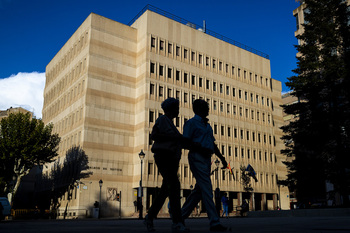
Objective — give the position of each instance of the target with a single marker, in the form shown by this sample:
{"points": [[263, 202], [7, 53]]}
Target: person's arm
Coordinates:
{"points": [[218, 154]]}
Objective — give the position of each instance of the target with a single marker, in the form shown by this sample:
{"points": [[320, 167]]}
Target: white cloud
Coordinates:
{"points": [[23, 90]]}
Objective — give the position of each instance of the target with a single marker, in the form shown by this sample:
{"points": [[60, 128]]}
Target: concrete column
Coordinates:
{"points": [[239, 199], [263, 201], [252, 200]]}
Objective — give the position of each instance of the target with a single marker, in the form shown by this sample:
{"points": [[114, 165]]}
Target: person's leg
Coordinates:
{"points": [[158, 201], [191, 202], [173, 188], [201, 168]]}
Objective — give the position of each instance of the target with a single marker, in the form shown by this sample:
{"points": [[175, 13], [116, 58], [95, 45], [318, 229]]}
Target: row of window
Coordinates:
{"points": [[227, 131], [227, 108], [66, 81], [67, 122], [68, 57], [179, 52], [185, 173], [66, 99], [186, 78]]}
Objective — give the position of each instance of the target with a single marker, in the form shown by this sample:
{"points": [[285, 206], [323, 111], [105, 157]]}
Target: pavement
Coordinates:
{"points": [[324, 224]]}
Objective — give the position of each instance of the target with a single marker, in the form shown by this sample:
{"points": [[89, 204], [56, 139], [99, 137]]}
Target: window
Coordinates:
{"points": [[220, 65], [185, 97], [235, 132], [234, 92], [161, 45], [185, 171], [214, 86], [247, 135], [229, 131], [151, 89], [185, 77], [227, 90], [161, 70], [228, 108], [177, 75], [214, 105], [177, 96], [200, 82], [150, 168], [221, 106], [221, 88], [185, 53], [236, 152], [200, 58], [160, 91], [214, 63], [169, 93], [151, 116], [207, 61], [223, 150], [170, 48], [239, 72], [193, 80], [208, 84], [177, 51], [229, 150], [222, 130], [153, 42], [152, 67], [215, 129], [169, 72], [193, 55]]}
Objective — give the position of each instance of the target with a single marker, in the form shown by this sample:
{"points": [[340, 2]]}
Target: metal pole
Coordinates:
{"points": [[99, 209], [120, 205], [141, 190]]}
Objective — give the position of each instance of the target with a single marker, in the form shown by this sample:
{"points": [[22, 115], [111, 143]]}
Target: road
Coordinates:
{"points": [[242, 225]]}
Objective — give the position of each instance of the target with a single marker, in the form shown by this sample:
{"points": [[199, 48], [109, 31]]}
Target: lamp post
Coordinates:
{"points": [[217, 190], [99, 209], [217, 163], [142, 156]]}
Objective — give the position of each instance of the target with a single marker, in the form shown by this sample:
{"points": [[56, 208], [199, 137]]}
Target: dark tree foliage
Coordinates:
{"points": [[319, 137], [63, 178], [24, 143], [246, 182]]}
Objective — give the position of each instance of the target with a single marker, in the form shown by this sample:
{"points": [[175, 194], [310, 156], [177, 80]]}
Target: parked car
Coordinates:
{"points": [[5, 208]]}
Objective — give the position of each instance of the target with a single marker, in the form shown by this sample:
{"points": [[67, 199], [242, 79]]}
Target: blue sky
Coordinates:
{"points": [[33, 31]]}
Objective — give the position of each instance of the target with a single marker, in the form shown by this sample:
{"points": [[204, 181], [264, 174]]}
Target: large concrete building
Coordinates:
{"points": [[103, 92]]}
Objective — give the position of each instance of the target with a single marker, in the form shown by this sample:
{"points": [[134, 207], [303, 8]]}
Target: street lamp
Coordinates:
{"points": [[217, 190], [142, 156], [99, 209], [217, 163]]}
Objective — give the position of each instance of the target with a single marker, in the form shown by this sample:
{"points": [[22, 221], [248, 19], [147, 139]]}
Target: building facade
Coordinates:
{"points": [[104, 89]]}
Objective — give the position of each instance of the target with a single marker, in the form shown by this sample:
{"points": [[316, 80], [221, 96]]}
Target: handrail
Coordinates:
{"points": [[195, 26]]}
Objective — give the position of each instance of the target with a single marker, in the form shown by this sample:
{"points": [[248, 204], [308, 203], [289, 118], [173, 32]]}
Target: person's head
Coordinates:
{"points": [[225, 194], [201, 108], [171, 107]]}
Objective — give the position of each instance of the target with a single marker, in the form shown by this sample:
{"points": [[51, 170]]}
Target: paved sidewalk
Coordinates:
{"points": [[241, 225]]}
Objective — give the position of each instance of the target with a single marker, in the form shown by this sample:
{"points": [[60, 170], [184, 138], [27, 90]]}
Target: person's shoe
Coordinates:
{"points": [[179, 227], [149, 224], [219, 228]]}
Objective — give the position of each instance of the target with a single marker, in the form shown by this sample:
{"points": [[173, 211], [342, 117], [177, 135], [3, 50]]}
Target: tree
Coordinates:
{"points": [[319, 137], [24, 143], [245, 181], [64, 178]]}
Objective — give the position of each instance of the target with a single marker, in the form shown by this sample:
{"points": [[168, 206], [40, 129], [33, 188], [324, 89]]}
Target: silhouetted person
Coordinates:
{"points": [[167, 153], [224, 201], [199, 132]]}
